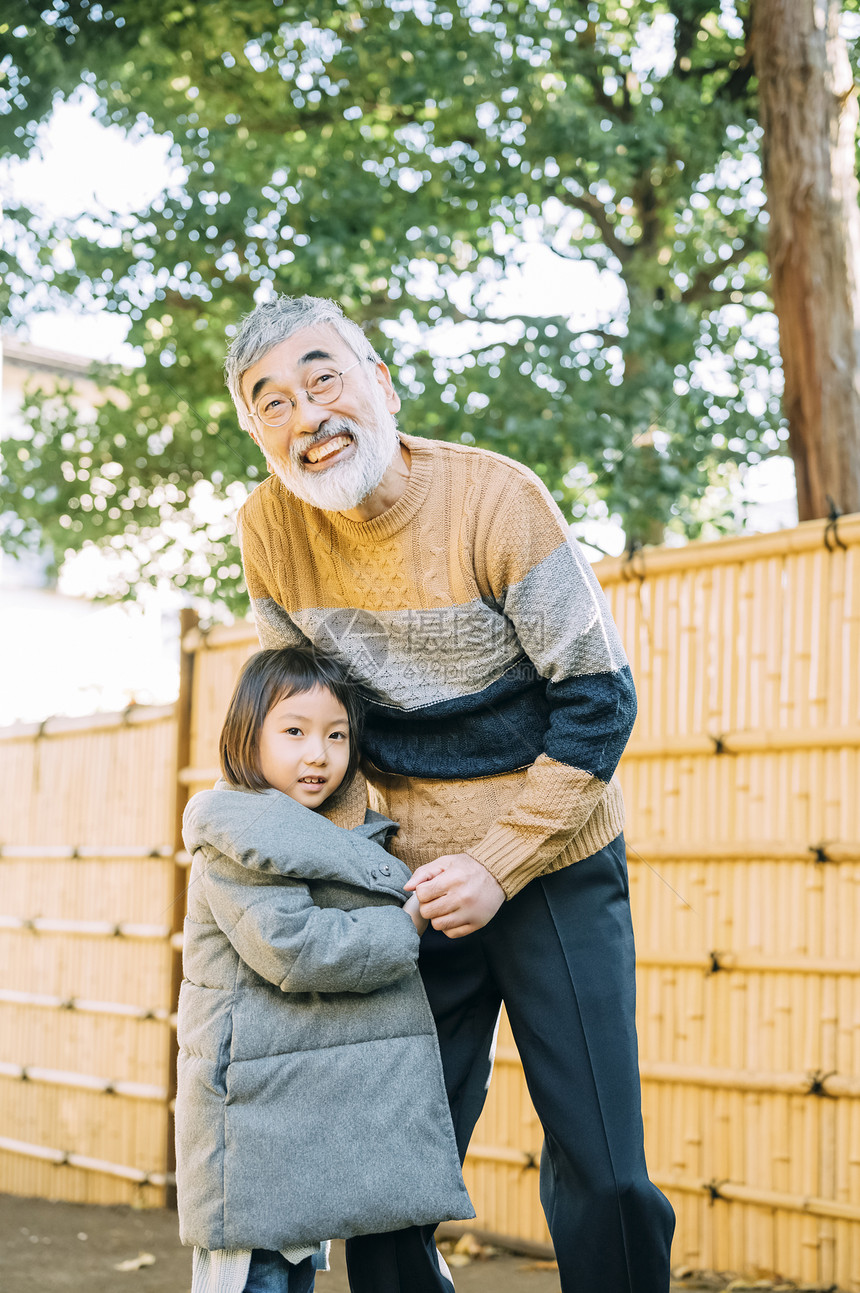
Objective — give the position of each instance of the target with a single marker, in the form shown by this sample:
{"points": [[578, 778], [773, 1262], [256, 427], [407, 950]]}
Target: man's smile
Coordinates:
{"points": [[321, 451]]}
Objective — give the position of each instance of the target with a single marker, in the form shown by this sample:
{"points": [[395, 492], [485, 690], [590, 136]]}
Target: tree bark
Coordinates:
{"points": [[809, 115]]}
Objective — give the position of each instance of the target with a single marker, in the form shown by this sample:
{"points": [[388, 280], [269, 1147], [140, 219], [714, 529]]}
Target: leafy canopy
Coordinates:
{"points": [[401, 156]]}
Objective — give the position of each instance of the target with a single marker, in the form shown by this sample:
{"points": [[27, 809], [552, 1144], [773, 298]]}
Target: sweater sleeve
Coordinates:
{"points": [[543, 583], [279, 932], [274, 625]]}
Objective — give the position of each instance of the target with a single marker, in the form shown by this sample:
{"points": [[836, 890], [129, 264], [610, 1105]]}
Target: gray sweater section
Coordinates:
{"points": [[311, 1102]]}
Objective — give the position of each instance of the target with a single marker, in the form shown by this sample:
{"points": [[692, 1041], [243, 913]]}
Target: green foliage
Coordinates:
{"points": [[399, 155]]}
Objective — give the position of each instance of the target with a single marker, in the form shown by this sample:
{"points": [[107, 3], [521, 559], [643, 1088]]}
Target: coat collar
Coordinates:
{"points": [[268, 831]]}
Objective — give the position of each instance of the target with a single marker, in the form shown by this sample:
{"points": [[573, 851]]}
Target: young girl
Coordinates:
{"points": [[311, 1102]]}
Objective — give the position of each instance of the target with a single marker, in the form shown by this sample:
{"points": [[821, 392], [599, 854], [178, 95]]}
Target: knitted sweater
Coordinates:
{"points": [[503, 695]]}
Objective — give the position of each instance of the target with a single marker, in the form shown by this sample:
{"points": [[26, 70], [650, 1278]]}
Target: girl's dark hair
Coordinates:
{"points": [[266, 678]]}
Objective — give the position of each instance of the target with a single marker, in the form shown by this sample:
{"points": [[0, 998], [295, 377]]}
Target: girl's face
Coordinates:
{"points": [[304, 746]]}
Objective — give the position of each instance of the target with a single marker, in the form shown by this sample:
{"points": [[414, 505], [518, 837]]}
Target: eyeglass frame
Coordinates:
{"points": [[293, 399]]}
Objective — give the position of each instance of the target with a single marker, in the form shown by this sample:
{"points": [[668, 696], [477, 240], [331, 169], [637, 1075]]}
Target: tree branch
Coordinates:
{"points": [[594, 208], [700, 287]]}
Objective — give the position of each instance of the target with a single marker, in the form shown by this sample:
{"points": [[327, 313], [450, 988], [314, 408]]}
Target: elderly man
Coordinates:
{"points": [[445, 577]]}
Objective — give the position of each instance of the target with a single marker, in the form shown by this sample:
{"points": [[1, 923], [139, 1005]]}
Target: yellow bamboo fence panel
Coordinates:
{"points": [[86, 886], [742, 785]]}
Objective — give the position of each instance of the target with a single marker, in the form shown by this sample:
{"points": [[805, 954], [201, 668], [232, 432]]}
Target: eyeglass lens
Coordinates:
{"points": [[323, 387]]}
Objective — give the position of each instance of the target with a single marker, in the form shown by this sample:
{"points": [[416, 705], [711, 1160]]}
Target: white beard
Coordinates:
{"points": [[343, 485]]}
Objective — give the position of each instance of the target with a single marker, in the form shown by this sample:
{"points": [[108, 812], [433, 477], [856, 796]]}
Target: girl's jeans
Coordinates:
{"points": [[270, 1272]]}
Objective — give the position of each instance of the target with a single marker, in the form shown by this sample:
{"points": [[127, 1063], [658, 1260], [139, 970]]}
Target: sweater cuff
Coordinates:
{"points": [[507, 857], [513, 856]]}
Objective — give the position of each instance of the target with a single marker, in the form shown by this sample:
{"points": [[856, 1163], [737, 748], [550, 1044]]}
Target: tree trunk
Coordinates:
{"points": [[809, 115]]}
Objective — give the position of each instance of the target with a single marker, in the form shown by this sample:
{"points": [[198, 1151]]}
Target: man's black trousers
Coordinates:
{"points": [[560, 955]]}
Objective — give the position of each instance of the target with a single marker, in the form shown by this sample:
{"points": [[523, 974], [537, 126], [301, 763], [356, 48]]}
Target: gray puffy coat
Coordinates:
{"points": [[311, 1101]]}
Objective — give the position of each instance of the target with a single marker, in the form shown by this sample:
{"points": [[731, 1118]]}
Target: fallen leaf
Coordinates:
{"points": [[467, 1244], [136, 1263]]}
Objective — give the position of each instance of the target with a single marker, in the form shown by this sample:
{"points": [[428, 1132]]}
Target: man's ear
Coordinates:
{"points": [[383, 376]]}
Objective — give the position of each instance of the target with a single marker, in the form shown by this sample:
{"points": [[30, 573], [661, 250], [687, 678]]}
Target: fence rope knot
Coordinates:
{"points": [[816, 1084], [714, 963], [628, 568], [531, 1163], [831, 528], [68, 1003], [714, 1190], [819, 852], [720, 746]]}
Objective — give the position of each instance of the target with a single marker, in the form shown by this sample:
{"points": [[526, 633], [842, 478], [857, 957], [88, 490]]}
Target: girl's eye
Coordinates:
{"points": [[339, 736], [294, 731]]}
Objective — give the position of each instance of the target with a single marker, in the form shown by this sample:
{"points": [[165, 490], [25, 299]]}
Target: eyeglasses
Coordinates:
{"points": [[275, 408]]}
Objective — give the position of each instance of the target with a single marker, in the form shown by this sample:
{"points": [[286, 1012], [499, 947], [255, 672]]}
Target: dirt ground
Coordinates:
{"points": [[50, 1247], [76, 1248]]}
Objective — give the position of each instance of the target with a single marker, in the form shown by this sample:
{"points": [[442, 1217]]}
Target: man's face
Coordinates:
{"points": [[330, 455]]}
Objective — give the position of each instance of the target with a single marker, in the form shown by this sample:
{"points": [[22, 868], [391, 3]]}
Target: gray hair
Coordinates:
{"points": [[271, 323]]}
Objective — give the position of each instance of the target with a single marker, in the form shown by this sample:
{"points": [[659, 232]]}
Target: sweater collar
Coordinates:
{"points": [[395, 518]]}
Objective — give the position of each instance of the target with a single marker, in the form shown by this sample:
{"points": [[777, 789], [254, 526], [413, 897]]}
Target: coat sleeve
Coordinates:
{"points": [[278, 931], [539, 577]]}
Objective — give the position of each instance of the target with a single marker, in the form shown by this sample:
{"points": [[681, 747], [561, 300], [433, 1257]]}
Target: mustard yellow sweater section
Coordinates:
{"points": [[464, 585]]}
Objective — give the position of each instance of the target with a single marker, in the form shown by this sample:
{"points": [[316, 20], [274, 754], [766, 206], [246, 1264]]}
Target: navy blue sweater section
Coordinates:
{"points": [[583, 722]]}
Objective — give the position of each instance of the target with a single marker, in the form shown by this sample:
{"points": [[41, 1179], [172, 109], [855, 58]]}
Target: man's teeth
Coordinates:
{"points": [[320, 451]]}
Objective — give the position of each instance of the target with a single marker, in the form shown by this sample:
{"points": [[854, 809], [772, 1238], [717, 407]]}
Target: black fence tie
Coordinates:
{"points": [[819, 852], [531, 1164], [68, 1004], [715, 964], [64, 1160], [816, 1084], [24, 1075], [117, 932], [30, 924], [76, 852], [720, 746], [831, 528], [109, 1089], [628, 568], [147, 1015], [714, 1191]]}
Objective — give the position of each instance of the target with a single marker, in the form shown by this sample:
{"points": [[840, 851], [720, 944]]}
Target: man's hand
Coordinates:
{"points": [[456, 894]]}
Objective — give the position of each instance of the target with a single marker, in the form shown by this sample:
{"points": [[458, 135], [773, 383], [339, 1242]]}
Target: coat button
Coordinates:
{"points": [[385, 869], [373, 875]]}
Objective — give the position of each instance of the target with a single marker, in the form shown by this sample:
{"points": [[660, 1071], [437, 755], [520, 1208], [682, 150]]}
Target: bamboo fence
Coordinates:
{"points": [[86, 885], [741, 784]]}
